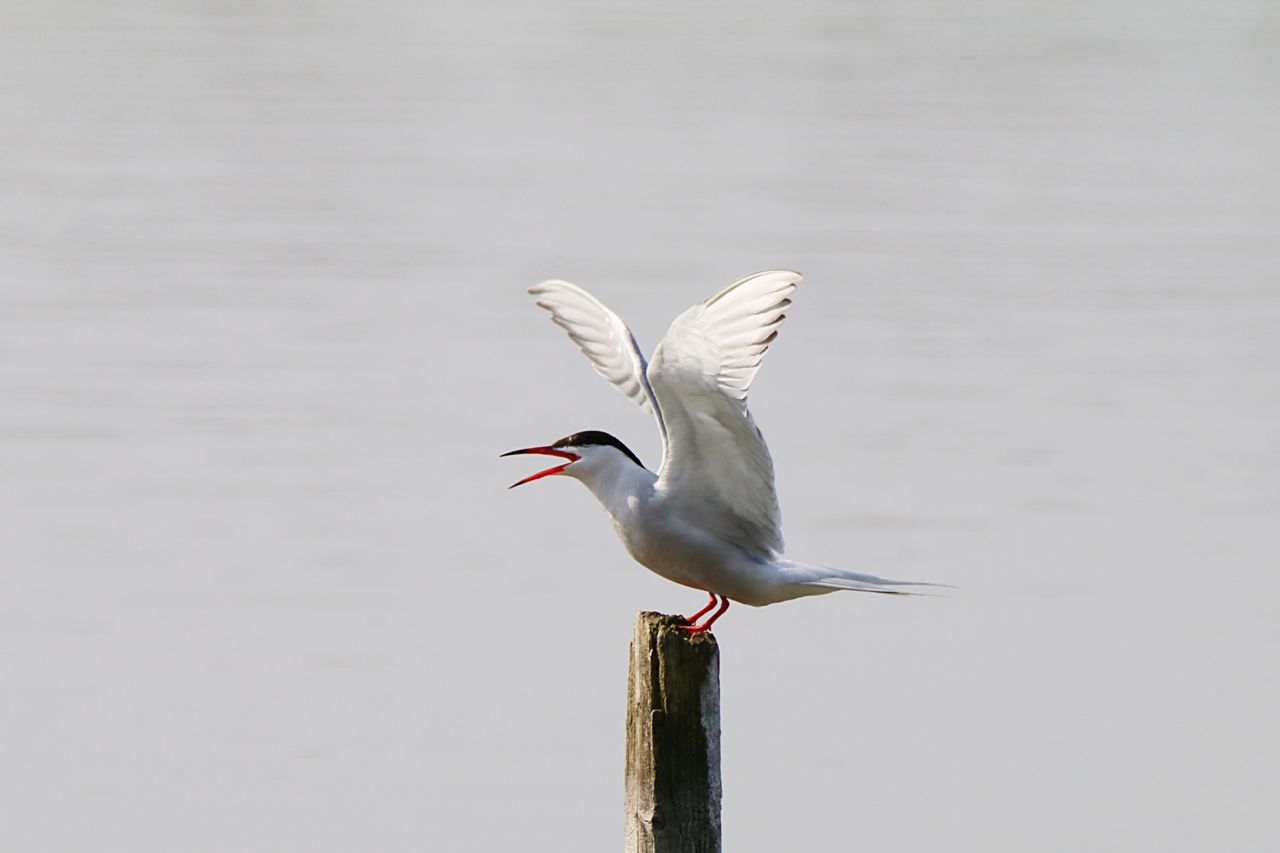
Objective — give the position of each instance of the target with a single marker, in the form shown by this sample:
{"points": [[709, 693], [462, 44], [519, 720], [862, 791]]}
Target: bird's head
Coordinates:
{"points": [[588, 455]]}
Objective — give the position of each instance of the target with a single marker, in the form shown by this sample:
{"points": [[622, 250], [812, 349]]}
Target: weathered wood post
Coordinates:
{"points": [[673, 739]]}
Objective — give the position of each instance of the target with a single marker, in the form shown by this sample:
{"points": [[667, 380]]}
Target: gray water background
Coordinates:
{"points": [[263, 333]]}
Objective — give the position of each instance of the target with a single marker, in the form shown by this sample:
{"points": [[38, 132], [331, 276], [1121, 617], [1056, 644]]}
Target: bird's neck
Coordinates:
{"points": [[619, 487]]}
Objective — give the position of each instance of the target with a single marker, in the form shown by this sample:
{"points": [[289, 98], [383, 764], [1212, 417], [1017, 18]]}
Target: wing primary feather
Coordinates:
{"points": [[717, 467], [604, 339]]}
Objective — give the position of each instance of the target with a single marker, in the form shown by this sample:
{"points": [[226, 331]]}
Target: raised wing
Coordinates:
{"points": [[717, 469], [604, 338]]}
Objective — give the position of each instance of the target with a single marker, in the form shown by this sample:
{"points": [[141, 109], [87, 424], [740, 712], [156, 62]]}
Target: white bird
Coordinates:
{"points": [[709, 518]]}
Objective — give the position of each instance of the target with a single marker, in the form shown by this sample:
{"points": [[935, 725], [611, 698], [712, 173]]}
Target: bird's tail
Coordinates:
{"points": [[826, 579]]}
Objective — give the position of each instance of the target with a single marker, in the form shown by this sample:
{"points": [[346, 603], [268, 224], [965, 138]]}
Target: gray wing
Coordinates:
{"points": [[604, 339], [717, 469]]}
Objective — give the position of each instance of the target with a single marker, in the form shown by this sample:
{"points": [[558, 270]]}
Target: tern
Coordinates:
{"points": [[709, 518]]}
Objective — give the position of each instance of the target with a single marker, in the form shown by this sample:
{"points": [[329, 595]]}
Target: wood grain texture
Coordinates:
{"points": [[673, 739]]}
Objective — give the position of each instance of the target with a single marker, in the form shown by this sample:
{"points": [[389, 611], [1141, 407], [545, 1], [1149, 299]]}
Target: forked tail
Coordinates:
{"points": [[825, 579]]}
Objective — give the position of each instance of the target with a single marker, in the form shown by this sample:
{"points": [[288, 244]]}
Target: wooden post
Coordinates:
{"points": [[673, 739]]}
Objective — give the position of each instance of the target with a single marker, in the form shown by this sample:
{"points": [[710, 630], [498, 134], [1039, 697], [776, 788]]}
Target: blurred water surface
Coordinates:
{"points": [[263, 333]]}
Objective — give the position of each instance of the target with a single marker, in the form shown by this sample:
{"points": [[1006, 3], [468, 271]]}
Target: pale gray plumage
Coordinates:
{"points": [[709, 518], [717, 467], [603, 338]]}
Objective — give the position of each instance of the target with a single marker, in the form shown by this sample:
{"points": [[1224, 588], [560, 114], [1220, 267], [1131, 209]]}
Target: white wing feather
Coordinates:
{"points": [[603, 338], [717, 469]]}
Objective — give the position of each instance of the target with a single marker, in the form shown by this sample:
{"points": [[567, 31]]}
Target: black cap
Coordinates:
{"points": [[590, 437]]}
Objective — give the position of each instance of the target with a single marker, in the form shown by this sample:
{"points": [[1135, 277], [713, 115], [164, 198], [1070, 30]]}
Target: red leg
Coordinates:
{"points": [[710, 604], [698, 629]]}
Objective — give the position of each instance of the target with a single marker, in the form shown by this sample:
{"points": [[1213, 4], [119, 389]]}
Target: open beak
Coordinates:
{"points": [[545, 451]]}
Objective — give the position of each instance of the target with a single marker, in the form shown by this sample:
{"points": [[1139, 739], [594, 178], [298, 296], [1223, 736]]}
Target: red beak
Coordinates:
{"points": [[545, 451]]}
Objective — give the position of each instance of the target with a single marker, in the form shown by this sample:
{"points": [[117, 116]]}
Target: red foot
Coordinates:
{"points": [[710, 604], [698, 629]]}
